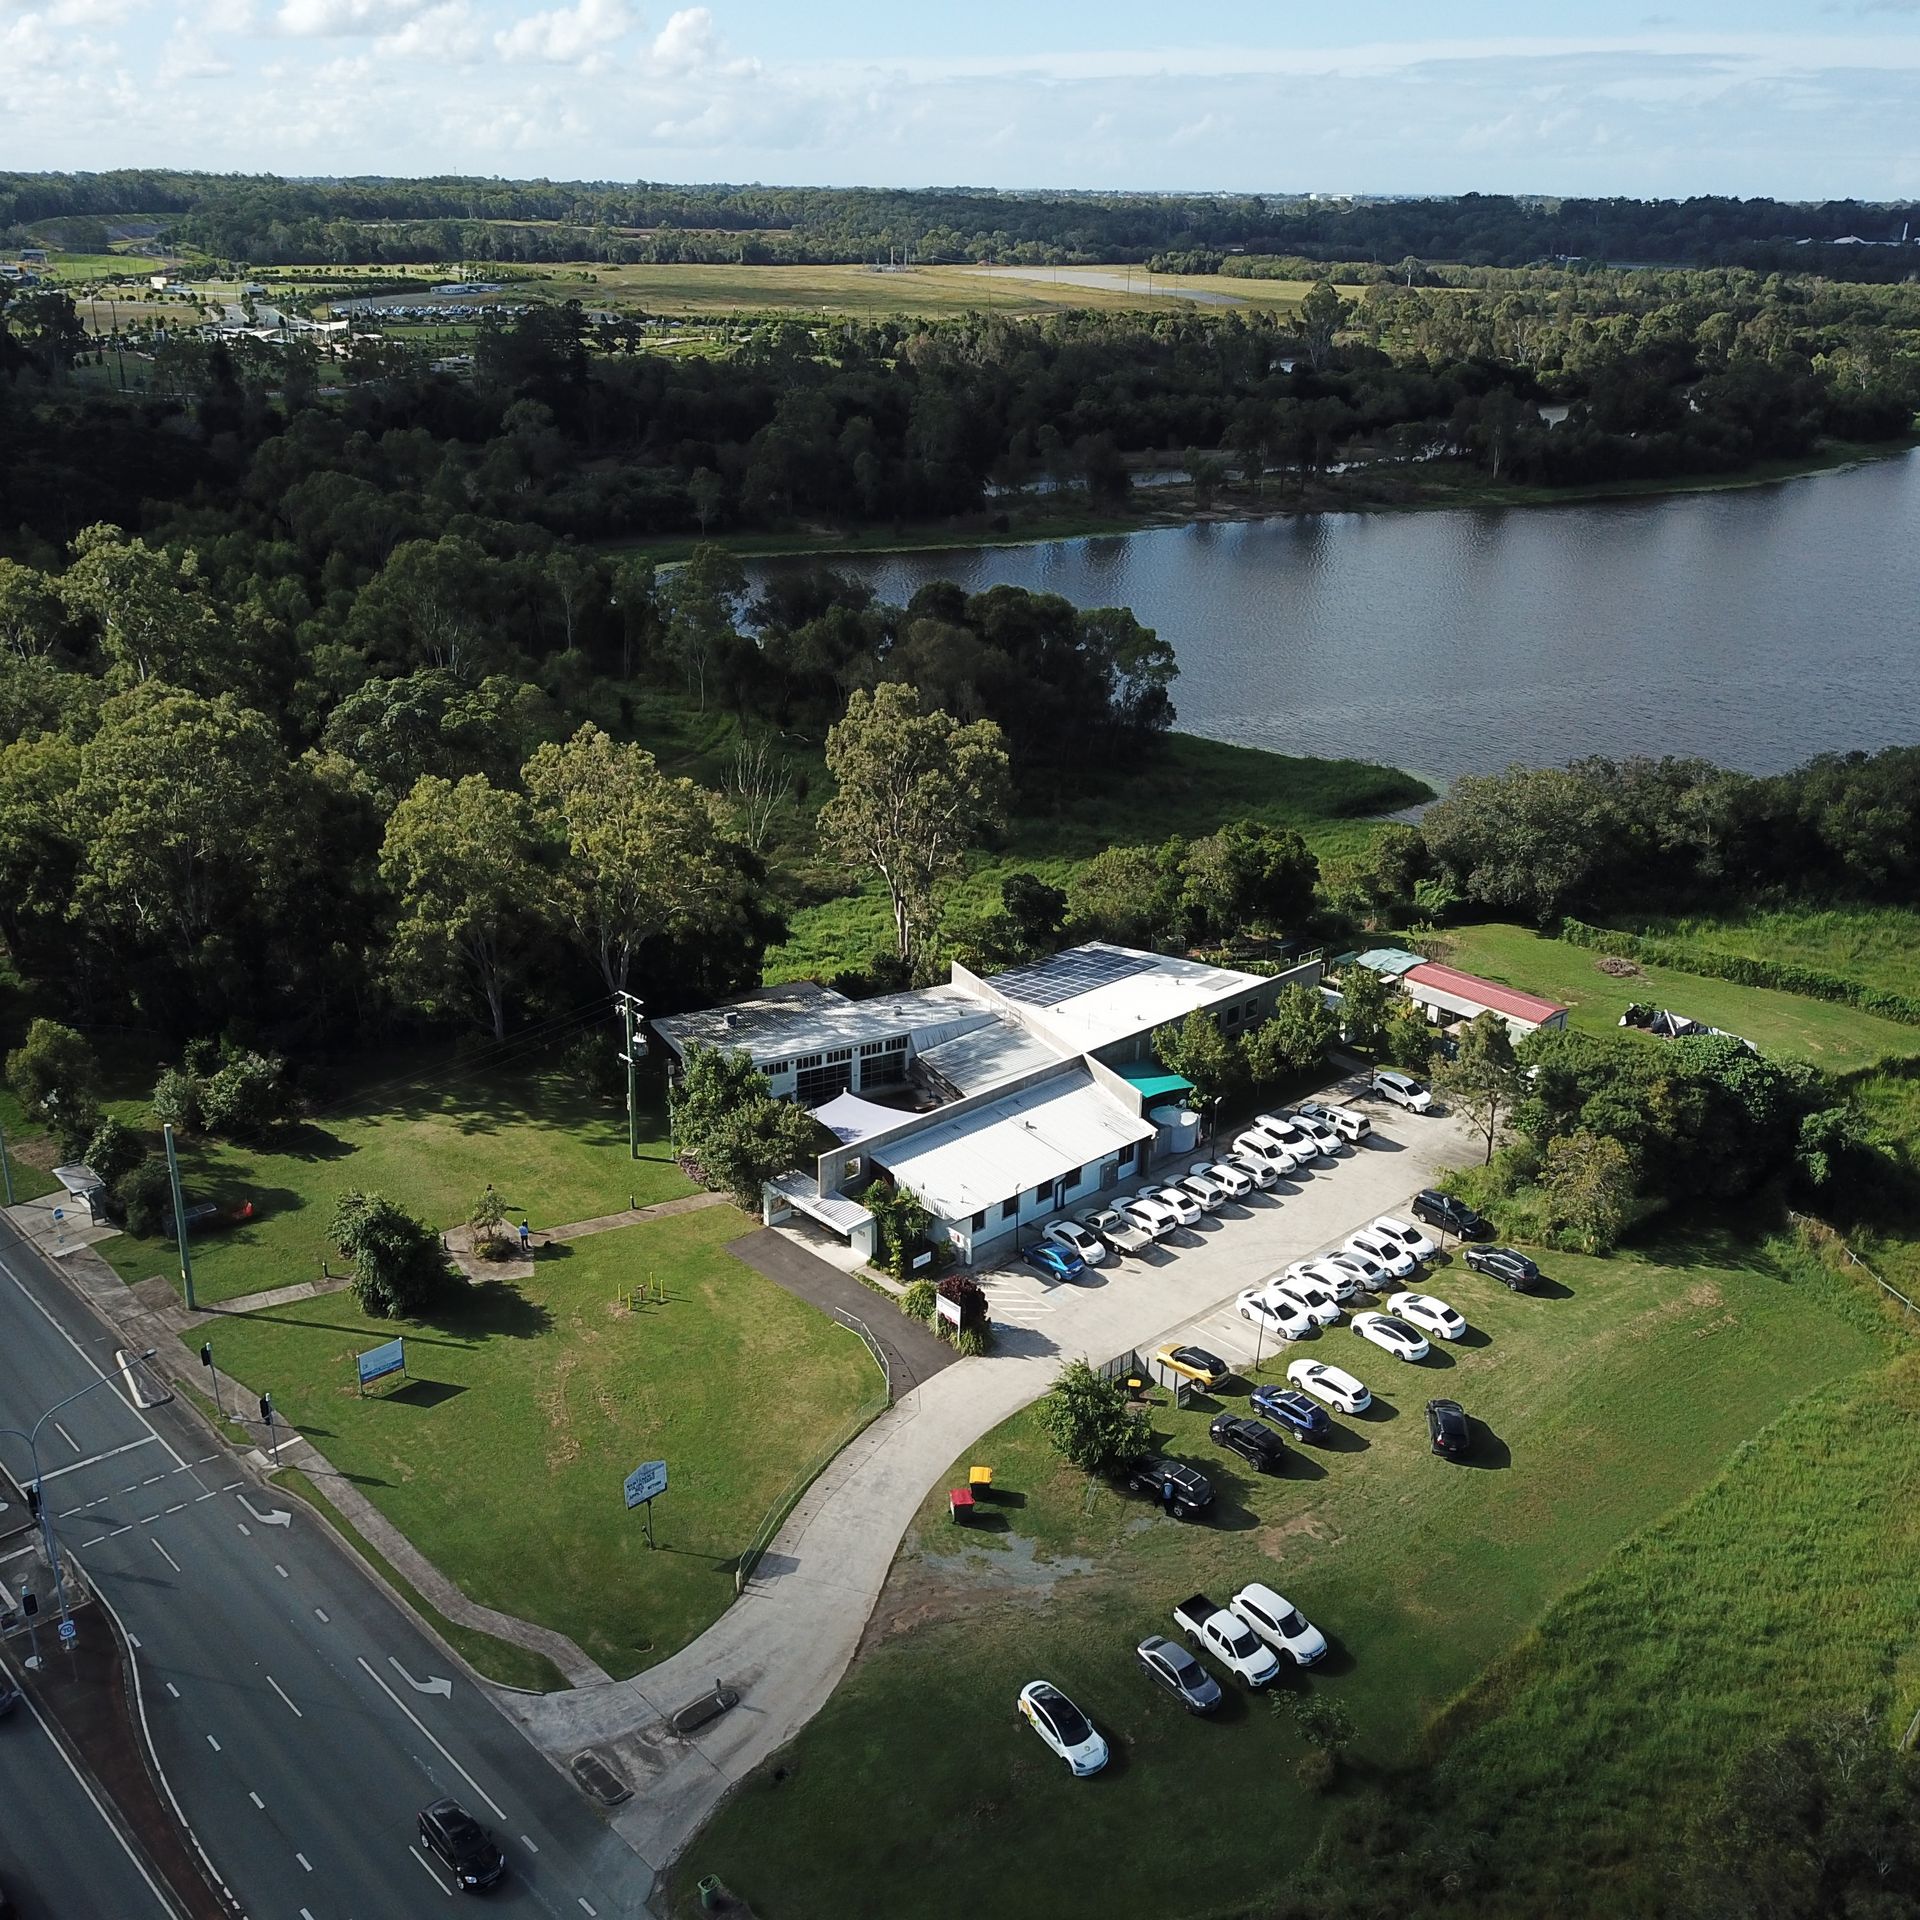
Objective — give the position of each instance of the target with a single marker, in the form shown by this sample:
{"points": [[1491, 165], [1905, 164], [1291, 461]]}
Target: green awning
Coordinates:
{"points": [[1154, 1081]]}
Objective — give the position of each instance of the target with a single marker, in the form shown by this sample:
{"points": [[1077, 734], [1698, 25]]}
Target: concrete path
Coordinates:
{"points": [[458, 1241], [913, 1352], [786, 1643]]}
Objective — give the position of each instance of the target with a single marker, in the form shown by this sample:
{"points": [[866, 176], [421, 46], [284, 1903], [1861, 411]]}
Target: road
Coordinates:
{"points": [[59, 1852], [300, 1718]]}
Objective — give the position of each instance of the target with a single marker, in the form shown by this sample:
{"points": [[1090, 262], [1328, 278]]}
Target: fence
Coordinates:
{"points": [[1820, 1230], [869, 1411]]}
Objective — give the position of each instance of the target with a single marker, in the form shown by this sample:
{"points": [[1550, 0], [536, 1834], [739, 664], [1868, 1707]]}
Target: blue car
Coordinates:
{"points": [[1057, 1263], [1291, 1410]]}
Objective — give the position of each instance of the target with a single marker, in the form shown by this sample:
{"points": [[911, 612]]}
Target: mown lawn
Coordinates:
{"points": [[1187, 786], [430, 1134], [1830, 1034], [524, 1408], [1604, 1403]]}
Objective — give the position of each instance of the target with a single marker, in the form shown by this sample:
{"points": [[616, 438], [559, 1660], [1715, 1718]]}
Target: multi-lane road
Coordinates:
{"points": [[299, 1717]]}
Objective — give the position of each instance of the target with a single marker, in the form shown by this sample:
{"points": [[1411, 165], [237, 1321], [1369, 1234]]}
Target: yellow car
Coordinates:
{"points": [[1195, 1365]]}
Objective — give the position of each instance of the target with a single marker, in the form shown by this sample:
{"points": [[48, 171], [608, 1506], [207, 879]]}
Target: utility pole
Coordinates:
{"points": [[6, 1166], [179, 1216], [632, 1008]]}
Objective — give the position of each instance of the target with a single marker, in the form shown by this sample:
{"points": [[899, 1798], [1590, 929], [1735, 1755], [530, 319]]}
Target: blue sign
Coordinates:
{"points": [[68, 1631], [646, 1481], [378, 1362]]}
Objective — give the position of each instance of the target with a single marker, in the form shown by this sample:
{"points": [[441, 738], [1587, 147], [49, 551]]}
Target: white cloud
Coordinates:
{"points": [[567, 36], [188, 57], [687, 40], [444, 34], [315, 19]]}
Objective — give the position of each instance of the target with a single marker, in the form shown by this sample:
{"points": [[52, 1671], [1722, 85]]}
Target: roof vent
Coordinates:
{"points": [[730, 1019]]}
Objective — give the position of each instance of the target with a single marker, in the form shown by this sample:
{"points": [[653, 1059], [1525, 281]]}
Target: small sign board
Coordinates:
{"points": [[949, 1309], [646, 1482], [922, 1260], [69, 1632], [377, 1362]]}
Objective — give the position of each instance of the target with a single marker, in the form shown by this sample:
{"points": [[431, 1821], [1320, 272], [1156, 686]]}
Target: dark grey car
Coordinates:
{"points": [[1179, 1672]]}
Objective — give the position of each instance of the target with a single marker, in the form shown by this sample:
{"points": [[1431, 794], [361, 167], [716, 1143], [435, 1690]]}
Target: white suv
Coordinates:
{"points": [[1403, 1090]]}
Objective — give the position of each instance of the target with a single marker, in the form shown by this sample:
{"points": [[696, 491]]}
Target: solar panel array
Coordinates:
{"points": [[1045, 983]]}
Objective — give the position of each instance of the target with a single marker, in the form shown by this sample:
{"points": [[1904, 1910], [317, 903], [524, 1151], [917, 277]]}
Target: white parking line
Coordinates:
{"points": [[66, 1436], [213, 1743], [282, 1692], [583, 1902], [280, 1570], [500, 1812], [320, 1613]]}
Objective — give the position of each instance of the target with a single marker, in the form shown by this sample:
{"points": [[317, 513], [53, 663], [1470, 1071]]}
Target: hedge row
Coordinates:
{"points": [[1743, 969]]}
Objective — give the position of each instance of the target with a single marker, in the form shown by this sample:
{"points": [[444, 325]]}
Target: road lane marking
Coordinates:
{"points": [[282, 1692], [94, 1459], [273, 1517], [66, 1436], [198, 1497], [244, 1528], [257, 1801], [528, 1844], [499, 1812], [433, 1685], [118, 1531], [583, 1902], [181, 1508], [320, 1613], [429, 1872], [280, 1570], [166, 1556], [213, 1743], [172, 1689], [304, 1861], [305, 1915]]}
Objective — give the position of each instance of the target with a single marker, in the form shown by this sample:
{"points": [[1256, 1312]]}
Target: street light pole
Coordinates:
{"points": [[179, 1216], [39, 1497]]}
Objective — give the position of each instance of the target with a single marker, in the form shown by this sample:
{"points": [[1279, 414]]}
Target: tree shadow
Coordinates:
{"points": [[424, 1393], [486, 1310], [303, 1140]]}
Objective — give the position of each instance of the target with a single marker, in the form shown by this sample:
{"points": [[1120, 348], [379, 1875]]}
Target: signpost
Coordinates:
{"points": [[69, 1633], [377, 1362], [949, 1309], [644, 1485]]}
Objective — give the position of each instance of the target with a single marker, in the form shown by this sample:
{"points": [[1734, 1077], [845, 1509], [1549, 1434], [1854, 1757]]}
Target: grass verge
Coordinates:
{"points": [[500, 1455], [1605, 1402]]}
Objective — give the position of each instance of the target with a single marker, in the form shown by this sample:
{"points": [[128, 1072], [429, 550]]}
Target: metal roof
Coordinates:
{"points": [[991, 1153], [800, 1017], [1392, 961], [1462, 992], [1092, 996]]}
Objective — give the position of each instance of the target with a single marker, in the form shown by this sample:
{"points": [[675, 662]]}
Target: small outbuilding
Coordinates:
{"points": [[1448, 995]]}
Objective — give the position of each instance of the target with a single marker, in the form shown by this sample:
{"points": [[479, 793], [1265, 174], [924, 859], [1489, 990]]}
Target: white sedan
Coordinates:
{"points": [[1372, 1244], [1065, 1729], [1367, 1272], [1333, 1386], [1291, 1135], [1391, 1335], [1407, 1234], [1432, 1316], [1235, 1182], [1283, 1318], [1339, 1279], [1314, 1298], [1076, 1238], [1183, 1206]]}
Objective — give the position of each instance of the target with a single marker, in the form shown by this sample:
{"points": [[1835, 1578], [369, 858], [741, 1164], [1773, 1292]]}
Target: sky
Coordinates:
{"points": [[1809, 101]]}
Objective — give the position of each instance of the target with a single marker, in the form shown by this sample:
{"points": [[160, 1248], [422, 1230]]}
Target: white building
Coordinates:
{"points": [[997, 1100]]}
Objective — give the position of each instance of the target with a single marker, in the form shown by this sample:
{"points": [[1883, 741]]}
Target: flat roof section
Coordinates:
{"points": [[978, 1159], [988, 1054], [1483, 993], [1097, 994], [776, 1023]]}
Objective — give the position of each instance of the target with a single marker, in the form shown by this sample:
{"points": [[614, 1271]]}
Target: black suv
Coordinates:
{"points": [[1449, 1429], [1504, 1264], [1253, 1440], [1452, 1216], [1191, 1490], [461, 1845]]}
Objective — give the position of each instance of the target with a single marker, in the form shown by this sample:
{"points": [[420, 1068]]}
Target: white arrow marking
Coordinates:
{"points": [[436, 1685], [276, 1517]]}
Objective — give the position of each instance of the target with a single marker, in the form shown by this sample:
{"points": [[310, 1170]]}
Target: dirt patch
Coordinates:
{"points": [[40, 1153], [1701, 1297], [1618, 967], [929, 1590], [563, 1444]]}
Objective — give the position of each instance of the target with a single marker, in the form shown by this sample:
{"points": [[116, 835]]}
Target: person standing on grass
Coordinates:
{"points": [[526, 1238]]}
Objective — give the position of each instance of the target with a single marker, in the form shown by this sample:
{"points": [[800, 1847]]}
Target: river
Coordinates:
{"points": [[1754, 627]]}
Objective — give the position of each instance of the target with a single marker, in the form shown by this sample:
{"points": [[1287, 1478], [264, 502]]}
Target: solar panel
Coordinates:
{"points": [[1045, 983]]}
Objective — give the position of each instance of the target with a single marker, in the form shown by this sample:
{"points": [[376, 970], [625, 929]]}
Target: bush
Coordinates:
{"points": [[176, 1101], [1317, 1770], [54, 1069], [399, 1264], [143, 1198], [971, 1342], [75, 1121], [246, 1095], [917, 1302], [114, 1151]]}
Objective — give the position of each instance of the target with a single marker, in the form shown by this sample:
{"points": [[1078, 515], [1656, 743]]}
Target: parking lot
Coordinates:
{"points": [[1184, 1286]]}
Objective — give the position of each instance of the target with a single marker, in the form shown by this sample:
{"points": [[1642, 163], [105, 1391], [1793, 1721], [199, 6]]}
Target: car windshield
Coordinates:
{"points": [[1186, 1669], [1291, 1623], [1068, 1721], [1242, 1646], [1399, 1327]]}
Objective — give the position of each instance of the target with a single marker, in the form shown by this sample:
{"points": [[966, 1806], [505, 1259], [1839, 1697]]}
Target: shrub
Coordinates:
{"points": [[1323, 1722], [246, 1095], [1317, 1770], [75, 1121], [54, 1069], [917, 1302], [399, 1265], [176, 1100], [143, 1198], [488, 1217], [971, 1342], [114, 1151]]}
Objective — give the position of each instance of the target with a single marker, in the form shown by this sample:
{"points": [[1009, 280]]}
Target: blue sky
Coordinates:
{"points": [[1799, 101]]}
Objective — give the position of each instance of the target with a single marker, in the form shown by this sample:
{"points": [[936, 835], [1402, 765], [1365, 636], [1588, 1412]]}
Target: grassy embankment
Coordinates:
{"points": [[1606, 1403], [524, 1406]]}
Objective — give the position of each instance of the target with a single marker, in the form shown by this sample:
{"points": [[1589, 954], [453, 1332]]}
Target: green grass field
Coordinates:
{"points": [[524, 1408], [430, 1136], [1876, 946], [1607, 1402], [1829, 1034], [1189, 786]]}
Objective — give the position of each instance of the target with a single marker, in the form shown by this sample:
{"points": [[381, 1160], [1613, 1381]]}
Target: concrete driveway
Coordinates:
{"points": [[786, 1642]]}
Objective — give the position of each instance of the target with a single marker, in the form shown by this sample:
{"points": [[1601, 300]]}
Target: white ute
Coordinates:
{"points": [[1228, 1638]]}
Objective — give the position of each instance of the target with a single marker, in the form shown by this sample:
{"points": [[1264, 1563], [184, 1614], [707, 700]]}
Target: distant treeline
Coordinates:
{"points": [[266, 221]]}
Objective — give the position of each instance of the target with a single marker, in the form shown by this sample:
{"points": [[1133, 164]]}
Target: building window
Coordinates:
{"points": [[1009, 1209], [816, 1085], [1073, 1179], [1126, 1155], [979, 1221], [775, 1068], [807, 1060], [1231, 1017]]}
